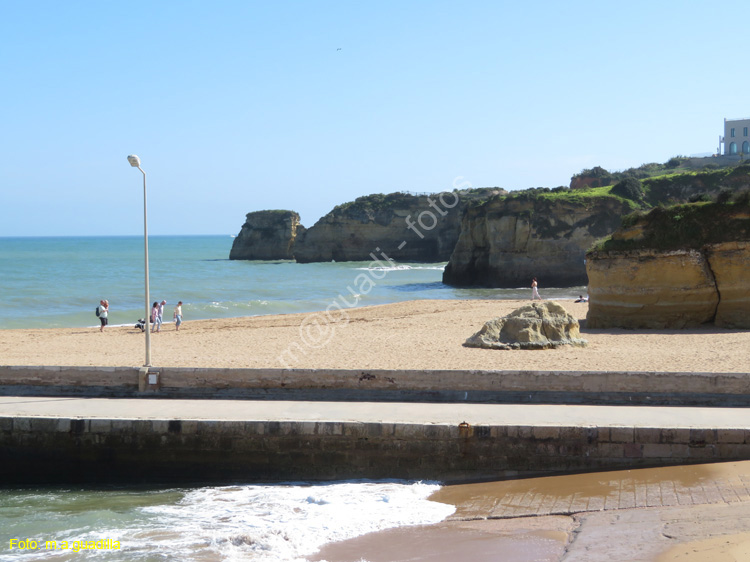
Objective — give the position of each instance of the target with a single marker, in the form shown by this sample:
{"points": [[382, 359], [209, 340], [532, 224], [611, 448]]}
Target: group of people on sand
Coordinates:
{"points": [[157, 315]]}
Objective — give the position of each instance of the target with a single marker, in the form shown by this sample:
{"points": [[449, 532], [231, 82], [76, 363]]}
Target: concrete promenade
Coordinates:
{"points": [[722, 420], [59, 424]]}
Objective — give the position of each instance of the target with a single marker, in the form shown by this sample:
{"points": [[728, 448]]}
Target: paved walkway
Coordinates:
{"points": [[374, 412]]}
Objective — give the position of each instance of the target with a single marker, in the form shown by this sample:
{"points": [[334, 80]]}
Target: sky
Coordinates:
{"points": [[240, 106]]}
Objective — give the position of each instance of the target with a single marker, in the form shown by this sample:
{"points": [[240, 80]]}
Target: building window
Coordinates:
{"points": [[746, 147], [732, 148], [731, 132], [744, 131]]}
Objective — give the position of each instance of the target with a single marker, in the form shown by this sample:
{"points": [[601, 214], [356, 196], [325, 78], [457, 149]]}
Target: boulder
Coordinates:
{"points": [[539, 325]]}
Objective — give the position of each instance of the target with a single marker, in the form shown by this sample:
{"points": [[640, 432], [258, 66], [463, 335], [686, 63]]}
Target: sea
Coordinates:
{"points": [[57, 282]]}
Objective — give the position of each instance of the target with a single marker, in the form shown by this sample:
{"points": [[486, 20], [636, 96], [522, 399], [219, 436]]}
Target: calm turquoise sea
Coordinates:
{"points": [[58, 282]]}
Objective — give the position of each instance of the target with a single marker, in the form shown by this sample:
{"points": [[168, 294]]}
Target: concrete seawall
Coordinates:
{"points": [[51, 434], [534, 387], [48, 449]]}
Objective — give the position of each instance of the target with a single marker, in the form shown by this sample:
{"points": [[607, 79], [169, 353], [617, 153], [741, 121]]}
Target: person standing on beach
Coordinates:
{"points": [[154, 316], [178, 315], [159, 315], [534, 291], [103, 314]]}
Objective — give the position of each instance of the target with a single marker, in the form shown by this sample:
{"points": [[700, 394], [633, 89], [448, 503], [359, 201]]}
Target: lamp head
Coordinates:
{"points": [[134, 161]]}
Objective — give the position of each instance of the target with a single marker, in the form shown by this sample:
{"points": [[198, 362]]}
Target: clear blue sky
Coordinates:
{"points": [[237, 106]]}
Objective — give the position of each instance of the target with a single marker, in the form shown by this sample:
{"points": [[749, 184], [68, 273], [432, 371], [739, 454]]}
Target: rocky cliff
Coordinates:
{"points": [[674, 268], [545, 233], [509, 240], [267, 235], [404, 227]]}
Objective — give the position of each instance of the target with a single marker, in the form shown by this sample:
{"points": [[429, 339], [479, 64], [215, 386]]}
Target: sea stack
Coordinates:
{"points": [[267, 235]]}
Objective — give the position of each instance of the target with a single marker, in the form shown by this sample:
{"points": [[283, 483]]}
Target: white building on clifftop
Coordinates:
{"points": [[736, 139]]}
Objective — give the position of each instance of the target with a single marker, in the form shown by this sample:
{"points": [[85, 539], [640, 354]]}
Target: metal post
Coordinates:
{"points": [[135, 162], [145, 249]]}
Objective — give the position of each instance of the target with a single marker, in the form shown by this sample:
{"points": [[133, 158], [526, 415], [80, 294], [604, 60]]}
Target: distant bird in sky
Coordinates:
{"points": [[338, 49]]}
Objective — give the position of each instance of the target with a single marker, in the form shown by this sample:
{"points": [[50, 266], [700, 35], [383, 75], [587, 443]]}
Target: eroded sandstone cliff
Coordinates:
{"points": [[404, 227], [509, 240], [267, 235], [674, 268]]}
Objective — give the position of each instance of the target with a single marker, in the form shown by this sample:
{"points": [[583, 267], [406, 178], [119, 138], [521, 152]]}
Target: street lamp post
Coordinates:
{"points": [[136, 163]]}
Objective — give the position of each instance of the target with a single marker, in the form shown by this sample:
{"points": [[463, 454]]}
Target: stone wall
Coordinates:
{"points": [[535, 387], [61, 450]]}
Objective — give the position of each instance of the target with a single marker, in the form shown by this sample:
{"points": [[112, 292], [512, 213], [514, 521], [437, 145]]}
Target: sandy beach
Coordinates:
{"points": [[428, 334], [421, 334], [699, 526]]}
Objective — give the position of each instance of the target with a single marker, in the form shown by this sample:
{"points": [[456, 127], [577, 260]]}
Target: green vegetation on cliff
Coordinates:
{"points": [[678, 180], [584, 197], [694, 186], [599, 177], [379, 202], [373, 203], [690, 225], [638, 188]]}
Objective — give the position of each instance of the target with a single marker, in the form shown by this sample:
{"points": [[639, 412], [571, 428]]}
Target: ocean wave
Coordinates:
{"points": [[404, 268], [285, 523], [249, 523], [384, 268]]}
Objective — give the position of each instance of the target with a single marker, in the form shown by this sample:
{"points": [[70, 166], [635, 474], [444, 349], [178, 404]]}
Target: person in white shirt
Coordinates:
{"points": [[178, 315], [103, 314], [159, 316], [534, 290]]}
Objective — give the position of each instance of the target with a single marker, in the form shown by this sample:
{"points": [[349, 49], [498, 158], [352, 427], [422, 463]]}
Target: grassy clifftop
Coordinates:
{"points": [[695, 186], [692, 225], [598, 176], [403, 200]]}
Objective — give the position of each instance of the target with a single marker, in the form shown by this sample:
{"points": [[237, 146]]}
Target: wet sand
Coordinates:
{"points": [[540, 540], [696, 525]]}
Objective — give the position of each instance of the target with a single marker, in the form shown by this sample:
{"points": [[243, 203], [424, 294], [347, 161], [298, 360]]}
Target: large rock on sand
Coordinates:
{"points": [[542, 325]]}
